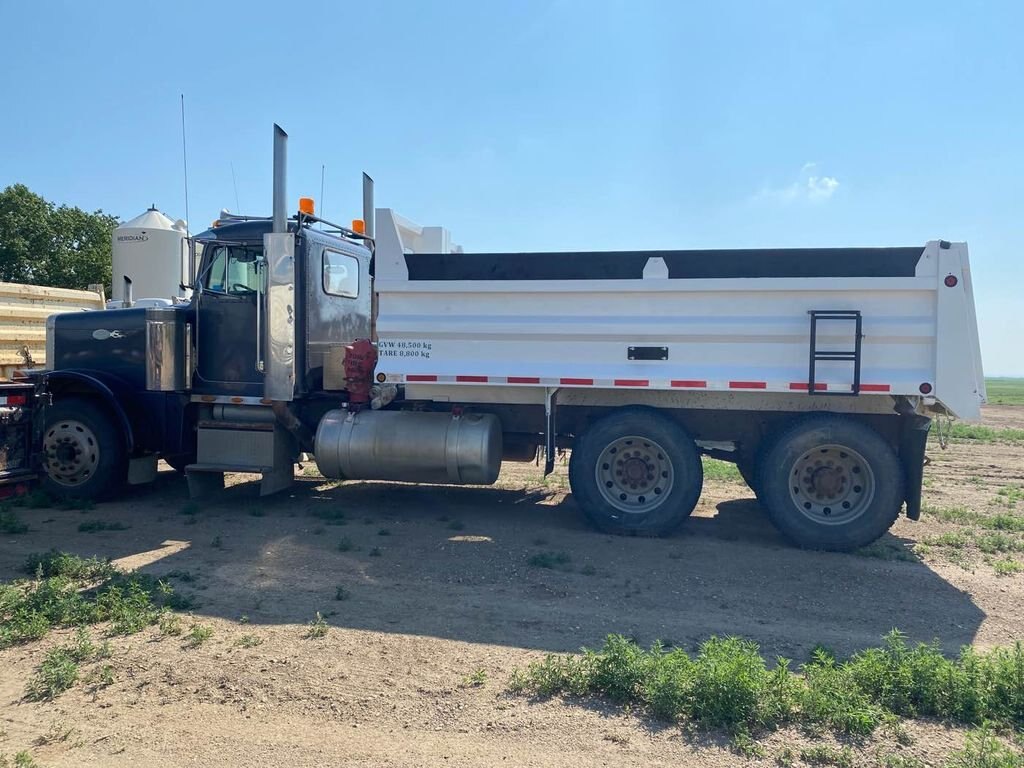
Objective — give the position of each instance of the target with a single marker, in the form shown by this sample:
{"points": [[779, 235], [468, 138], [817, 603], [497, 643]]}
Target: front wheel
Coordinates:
{"points": [[829, 482], [83, 451], [636, 472]]}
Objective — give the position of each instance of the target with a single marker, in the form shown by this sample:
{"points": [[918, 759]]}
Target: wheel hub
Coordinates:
{"points": [[832, 484], [72, 452], [634, 474]]}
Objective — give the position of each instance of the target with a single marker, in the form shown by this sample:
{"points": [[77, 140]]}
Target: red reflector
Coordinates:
{"points": [[17, 400], [950, 281], [926, 388]]}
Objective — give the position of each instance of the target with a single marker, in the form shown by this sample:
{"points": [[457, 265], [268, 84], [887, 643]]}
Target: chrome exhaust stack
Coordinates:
{"points": [[368, 204], [280, 213]]}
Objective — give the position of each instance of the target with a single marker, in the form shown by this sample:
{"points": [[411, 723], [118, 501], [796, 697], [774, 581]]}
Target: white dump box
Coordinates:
{"points": [[706, 328]]}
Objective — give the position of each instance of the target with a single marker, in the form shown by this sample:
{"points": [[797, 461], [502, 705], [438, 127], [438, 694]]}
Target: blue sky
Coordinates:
{"points": [[548, 125]]}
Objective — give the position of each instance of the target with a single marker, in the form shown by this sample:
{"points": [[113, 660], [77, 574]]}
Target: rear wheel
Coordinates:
{"points": [[83, 452], [636, 472], [831, 483]]}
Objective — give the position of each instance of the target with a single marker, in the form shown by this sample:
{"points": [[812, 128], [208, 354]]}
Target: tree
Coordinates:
{"points": [[45, 244]]}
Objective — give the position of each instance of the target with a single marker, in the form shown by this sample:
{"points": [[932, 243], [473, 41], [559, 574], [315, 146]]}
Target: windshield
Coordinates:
{"points": [[231, 269]]}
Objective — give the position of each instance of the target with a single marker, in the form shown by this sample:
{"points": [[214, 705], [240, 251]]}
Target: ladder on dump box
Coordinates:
{"points": [[842, 355]]}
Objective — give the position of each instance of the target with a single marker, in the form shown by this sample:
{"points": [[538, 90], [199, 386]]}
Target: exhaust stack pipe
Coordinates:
{"points": [[280, 180], [368, 204], [127, 298]]}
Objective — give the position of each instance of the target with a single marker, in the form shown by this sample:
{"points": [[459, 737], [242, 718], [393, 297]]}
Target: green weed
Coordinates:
{"points": [[983, 749], [317, 627], [729, 684], [95, 526], [1007, 567], [198, 635], [71, 591], [716, 469], [822, 754], [553, 560], [11, 523], [248, 641], [985, 434]]}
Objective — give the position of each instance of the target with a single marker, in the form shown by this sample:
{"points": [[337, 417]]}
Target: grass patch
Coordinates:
{"points": [[331, 516], [994, 542], [728, 684], [198, 635], [985, 434], [982, 749], [716, 469], [317, 627], [884, 551], [1007, 567], [475, 679], [22, 759], [557, 561], [384, 532], [71, 591], [95, 526], [248, 641], [59, 669], [959, 515], [822, 754], [11, 523], [341, 593], [1005, 391], [346, 544], [1011, 494], [376, 552]]}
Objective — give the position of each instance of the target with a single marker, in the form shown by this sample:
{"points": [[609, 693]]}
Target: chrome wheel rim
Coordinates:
{"points": [[831, 485], [634, 474], [72, 452]]}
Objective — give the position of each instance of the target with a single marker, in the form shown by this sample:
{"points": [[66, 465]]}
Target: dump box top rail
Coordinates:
{"points": [[699, 321]]}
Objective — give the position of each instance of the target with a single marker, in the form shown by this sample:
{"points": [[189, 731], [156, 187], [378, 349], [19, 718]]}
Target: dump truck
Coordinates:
{"points": [[388, 352]]}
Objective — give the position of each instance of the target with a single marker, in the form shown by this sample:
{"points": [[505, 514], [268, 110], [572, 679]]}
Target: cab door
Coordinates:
{"points": [[227, 324]]}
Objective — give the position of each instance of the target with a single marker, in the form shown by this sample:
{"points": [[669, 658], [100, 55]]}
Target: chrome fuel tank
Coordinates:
{"points": [[410, 446]]}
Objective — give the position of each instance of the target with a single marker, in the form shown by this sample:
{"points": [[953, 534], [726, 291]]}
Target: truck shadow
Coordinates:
{"points": [[505, 567]]}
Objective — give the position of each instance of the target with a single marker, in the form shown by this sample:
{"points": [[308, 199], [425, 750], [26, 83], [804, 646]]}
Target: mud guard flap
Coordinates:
{"points": [[913, 439]]}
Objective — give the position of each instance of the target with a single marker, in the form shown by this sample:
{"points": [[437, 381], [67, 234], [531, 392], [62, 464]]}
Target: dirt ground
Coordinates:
{"points": [[438, 587]]}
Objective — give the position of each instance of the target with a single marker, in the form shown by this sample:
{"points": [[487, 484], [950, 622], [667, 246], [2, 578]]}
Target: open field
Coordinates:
{"points": [[380, 625], [1005, 391]]}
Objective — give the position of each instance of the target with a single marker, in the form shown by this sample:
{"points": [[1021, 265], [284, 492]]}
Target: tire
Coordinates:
{"points": [[665, 465], [829, 482], [83, 451]]}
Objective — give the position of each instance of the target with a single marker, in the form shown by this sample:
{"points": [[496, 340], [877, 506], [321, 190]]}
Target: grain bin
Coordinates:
{"points": [[152, 251]]}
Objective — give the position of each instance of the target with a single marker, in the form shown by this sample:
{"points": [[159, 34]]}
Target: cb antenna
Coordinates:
{"points": [[184, 162]]}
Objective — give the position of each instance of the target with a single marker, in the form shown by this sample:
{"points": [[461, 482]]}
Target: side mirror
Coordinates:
{"points": [[190, 277]]}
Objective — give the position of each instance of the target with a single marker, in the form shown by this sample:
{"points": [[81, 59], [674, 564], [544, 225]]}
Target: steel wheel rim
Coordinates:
{"points": [[72, 452], [831, 485], [634, 474]]}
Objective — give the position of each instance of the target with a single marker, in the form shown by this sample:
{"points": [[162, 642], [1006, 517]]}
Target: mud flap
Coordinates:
{"points": [[913, 439]]}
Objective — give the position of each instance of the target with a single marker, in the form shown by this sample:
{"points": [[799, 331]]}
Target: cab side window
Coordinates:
{"points": [[232, 270], [341, 274]]}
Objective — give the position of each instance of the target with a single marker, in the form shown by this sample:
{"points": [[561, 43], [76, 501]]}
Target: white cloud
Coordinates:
{"points": [[808, 187]]}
